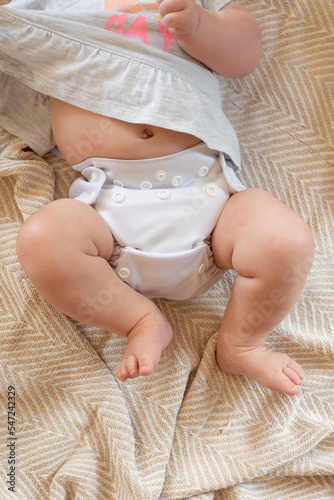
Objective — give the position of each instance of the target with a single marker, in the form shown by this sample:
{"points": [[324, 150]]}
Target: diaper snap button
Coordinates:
{"points": [[124, 272], [118, 182], [161, 175], [210, 190], [118, 197], [177, 180], [146, 185], [201, 268], [163, 194], [203, 171]]}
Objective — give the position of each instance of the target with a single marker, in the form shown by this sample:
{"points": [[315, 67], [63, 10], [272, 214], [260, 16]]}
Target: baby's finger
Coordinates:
{"points": [[170, 6]]}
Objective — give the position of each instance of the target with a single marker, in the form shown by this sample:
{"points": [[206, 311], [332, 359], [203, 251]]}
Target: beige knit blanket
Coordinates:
{"points": [[187, 431]]}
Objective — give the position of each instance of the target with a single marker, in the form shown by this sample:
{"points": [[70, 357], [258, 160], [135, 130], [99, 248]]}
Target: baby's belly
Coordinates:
{"points": [[81, 134]]}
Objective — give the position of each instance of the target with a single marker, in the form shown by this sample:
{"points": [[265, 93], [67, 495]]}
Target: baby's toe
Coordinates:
{"points": [[292, 375], [146, 366], [297, 368], [287, 385], [132, 366], [122, 373], [128, 368]]}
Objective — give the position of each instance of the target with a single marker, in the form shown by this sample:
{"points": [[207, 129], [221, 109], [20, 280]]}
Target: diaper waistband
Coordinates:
{"points": [[161, 172]]}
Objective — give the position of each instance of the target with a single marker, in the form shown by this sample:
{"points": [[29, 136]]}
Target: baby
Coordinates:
{"points": [[156, 213]]}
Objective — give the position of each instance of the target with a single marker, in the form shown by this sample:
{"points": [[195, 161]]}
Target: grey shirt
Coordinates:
{"points": [[112, 57]]}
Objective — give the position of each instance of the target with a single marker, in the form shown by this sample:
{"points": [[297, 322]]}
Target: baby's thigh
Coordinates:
{"points": [[254, 226], [66, 225]]}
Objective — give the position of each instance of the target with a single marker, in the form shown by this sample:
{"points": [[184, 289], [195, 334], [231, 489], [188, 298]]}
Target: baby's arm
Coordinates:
{"points": [[227, 41]]}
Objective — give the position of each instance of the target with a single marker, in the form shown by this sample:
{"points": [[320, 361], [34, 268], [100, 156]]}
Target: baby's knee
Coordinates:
{"points": [[33, 240], [304, 244], [295, 247]]}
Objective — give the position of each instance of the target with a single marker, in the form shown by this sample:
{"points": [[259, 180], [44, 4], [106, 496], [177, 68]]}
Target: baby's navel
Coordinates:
{"points": [[147, 133]]}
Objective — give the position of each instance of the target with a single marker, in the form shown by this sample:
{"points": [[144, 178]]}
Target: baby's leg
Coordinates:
{"points": [[64, 249], [271, 248]]}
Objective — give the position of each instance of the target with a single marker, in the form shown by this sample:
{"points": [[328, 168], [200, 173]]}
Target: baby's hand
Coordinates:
{"points": [[180, 17]]}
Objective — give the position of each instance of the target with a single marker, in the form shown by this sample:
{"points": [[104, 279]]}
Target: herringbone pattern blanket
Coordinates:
{"points": [[188, 431]]}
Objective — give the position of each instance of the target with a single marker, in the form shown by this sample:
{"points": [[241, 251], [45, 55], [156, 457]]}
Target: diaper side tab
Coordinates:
{"points": [[88, 188], [228, 167]]}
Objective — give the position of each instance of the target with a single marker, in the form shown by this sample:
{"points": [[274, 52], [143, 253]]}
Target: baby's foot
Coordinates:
{"points": [[273, 370], [146, 342]]}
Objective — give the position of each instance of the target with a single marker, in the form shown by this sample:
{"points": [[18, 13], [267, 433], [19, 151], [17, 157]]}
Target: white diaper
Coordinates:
{"points": [[161, 212]]}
